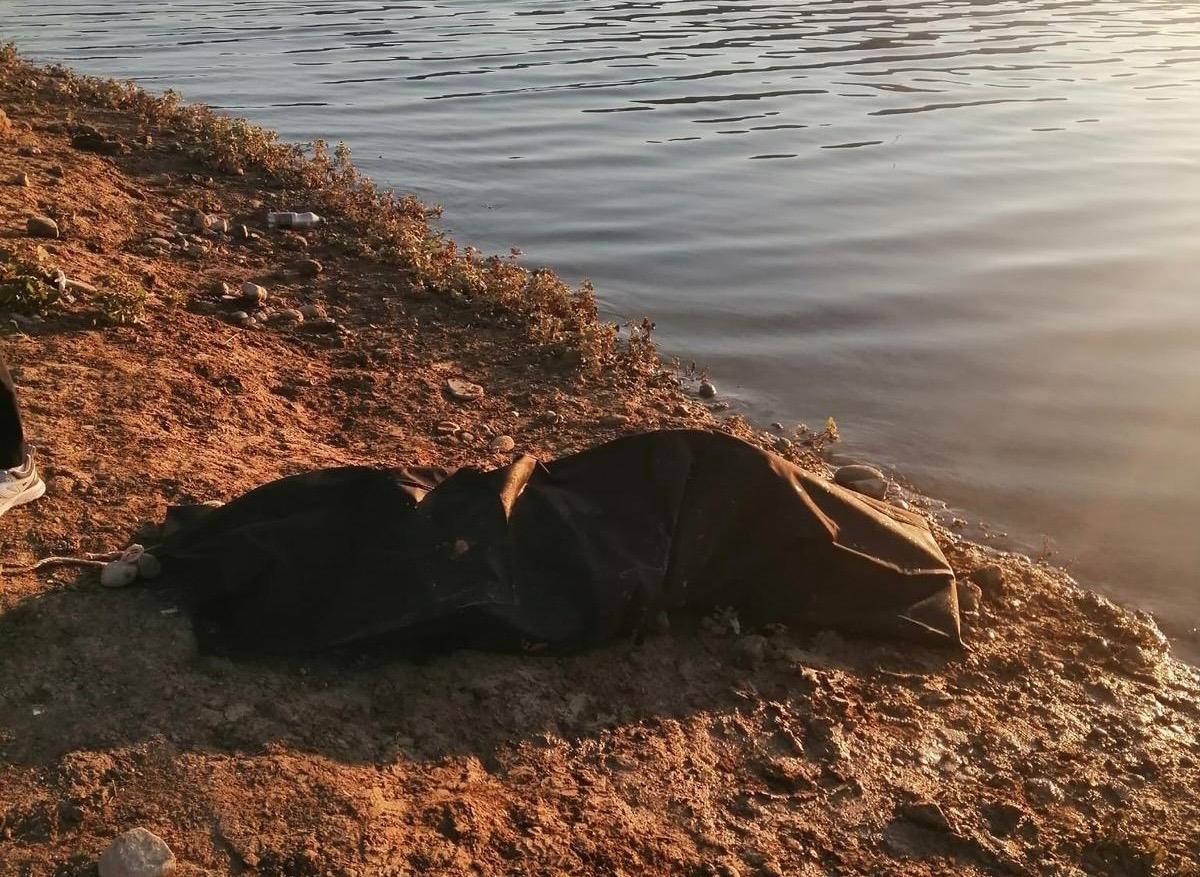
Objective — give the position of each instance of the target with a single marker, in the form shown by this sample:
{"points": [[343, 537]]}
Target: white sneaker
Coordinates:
{"points": [[21, 485]]}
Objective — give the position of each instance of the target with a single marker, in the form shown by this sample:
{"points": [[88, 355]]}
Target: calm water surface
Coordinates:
{"points": [[969, 230]]}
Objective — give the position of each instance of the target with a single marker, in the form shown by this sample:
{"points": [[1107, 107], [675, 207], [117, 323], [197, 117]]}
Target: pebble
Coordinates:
{"points": [[22, 180], [447, 427], [872, 487], [928, 815], [254, 295], [314, 312], [309, 268], [502, 444], [1044, 791], [614, 420], [29, 151], [856, 472], [287, 316], [242, 233], [137, 853], [93, 141], [782, 444], [201, 221], [866, 480], [707, 390], [241, 318], [990, 579], [463, 391], [320, 326], [118, 574], [41, 227]]}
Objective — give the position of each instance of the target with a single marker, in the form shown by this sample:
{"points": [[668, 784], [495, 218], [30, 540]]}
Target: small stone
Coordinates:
{"points": [[751, 650], [219, 225], [1044, 791], [253, 295], [847, 474], [29, 151], [614, 420], [293, 239], [286, 317], [872, 487], [783, 444], [200, 221], [502, 444], [320, 326], [22, 180], [79, 286], [206, 308], [309, 268], [970, 596], [94, 141], [990, 579], [866, 480], [41, 227], [242, 319], [314, 312], [118, 574], [57, 171], [241, 232], [463, 391], [137, 853], [928, 815], [466, 438], [778, 427], [447, 427], [707, 390]]}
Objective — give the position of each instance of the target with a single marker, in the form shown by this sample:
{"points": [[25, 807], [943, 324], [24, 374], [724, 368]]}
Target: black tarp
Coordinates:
{"points": [[559, 556]]}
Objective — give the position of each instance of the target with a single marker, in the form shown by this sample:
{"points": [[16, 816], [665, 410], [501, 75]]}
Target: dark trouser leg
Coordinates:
{"points": [[12, 436]]}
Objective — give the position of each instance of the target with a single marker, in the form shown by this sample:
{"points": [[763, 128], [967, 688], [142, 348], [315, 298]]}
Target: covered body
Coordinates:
{"points": [[561, 555]]}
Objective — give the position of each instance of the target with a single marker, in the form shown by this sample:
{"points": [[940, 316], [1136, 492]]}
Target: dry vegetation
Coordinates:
{"points": [[1065, 742]]}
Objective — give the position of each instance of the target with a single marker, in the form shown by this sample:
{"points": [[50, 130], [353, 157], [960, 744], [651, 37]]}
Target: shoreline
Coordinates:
{"points": [[1066, 740]]}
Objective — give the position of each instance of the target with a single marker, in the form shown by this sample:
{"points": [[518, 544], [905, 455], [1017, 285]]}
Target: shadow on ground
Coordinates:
{"points": [[87, 669]]}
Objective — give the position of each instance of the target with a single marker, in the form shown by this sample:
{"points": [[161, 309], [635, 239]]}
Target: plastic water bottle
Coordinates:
{"points": [[292, 220]]}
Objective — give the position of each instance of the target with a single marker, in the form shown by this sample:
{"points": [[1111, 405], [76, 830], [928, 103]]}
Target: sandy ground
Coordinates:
{"points": [[1064, 742]]}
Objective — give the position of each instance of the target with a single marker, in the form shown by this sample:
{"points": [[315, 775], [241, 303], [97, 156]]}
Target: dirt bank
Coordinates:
{"points": [[1065, 741]]}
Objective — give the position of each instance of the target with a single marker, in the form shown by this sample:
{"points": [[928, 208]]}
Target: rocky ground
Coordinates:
{"points": [[1064, 742]]}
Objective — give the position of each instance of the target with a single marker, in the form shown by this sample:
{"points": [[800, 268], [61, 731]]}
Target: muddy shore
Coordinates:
{"points": [[1064, 742]]}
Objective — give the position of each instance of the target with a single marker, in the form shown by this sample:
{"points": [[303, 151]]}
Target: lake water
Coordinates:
{"points": [[969, 230]]}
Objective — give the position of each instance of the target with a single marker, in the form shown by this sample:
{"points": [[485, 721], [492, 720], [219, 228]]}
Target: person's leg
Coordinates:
{"points": [[12, 435]]}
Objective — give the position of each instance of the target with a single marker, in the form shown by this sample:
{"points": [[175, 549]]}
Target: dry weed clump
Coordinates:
{"points": [[26, 283], [372, 222]]}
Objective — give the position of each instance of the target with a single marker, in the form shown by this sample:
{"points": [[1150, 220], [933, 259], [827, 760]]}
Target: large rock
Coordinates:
{"points": [[463, 391], [866, 480], [41, 227], [137, 853]]}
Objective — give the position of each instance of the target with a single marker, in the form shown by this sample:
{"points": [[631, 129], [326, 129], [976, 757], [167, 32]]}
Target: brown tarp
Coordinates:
{"points": [[556, 556]]}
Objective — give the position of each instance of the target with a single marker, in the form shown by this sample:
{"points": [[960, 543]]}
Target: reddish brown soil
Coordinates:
{"points": [[1064, 742]]}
